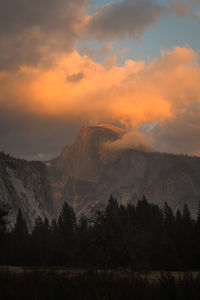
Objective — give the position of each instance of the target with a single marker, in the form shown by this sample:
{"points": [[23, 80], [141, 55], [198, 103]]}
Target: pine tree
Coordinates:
{"points": [[197, 239], [41, 241], [179, 237], [55, 255], [131, 214], [187, 220], [112, 207], [67, 230], [105, 232], [142, 214], [20, 238], [197, 224], [188, 238], [20, 230], [4, 211], [169, 222], [82, 246], [67, 220]]}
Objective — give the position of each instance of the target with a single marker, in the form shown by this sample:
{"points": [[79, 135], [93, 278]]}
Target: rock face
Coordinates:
{"points": [[25, 185], [82, 159], [76, 172], [88, 171]]}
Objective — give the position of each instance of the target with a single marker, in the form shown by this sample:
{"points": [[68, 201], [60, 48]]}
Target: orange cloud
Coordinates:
{"points": [[130, 94]]}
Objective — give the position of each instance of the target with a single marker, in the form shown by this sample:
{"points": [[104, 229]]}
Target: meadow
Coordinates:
{"points": [[60, 283]]}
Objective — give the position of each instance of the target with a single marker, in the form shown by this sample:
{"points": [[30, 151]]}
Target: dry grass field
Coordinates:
{"points": [[60, 283]]}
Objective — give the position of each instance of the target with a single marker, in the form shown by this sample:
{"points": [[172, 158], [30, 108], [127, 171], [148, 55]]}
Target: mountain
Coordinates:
{"points": [[25, 185], [89, 171]]}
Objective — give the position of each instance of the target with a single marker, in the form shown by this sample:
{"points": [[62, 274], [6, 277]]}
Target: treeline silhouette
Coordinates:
{"points": [[134, 237]]}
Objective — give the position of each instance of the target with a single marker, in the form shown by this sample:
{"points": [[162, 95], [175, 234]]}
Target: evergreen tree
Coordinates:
{"points": [[198, 217], [187, 220], [187, 238], [67, 230], [82, 244], [106, 239], [131, 214], [141, 237], [142, 214], [179, 238], [197, 239], [169, 222], [67, 220], [55, 254], [111, 211], [41, 241], [20, 229], [20, 240], [168, 252], [83, 223], [179, 221], [4, 247], [4, 211]]}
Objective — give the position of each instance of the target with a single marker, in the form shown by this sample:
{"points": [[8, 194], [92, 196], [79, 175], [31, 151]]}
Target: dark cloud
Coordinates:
{"points": [[180, 134], [126, 19], [185, 8], [181, 8], [31, 30], [74, 78], [35, 31], [34, 138], [49, 15]]}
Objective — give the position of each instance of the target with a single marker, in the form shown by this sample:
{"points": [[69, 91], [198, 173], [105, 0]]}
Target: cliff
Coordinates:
{"points": [[25, 185]]}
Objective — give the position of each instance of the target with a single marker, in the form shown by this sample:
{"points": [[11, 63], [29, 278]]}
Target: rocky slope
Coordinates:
{"points": [[88, 171], [25, 185]]}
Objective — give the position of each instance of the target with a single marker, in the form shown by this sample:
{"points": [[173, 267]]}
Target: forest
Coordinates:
{"points": [[115, 236]]}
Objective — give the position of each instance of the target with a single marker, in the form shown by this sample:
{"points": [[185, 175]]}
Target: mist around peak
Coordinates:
{"points": [[131, 140], [113, 128], [117, 138]]}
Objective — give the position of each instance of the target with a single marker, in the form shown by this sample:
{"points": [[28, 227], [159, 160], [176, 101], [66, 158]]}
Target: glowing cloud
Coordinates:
{"points": [[77, 89]]}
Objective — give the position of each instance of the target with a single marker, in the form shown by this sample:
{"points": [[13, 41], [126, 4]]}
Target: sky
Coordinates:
{"points": [[68, 63]]}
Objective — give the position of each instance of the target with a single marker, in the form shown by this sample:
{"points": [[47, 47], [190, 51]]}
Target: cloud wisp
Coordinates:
{"points": [[132, 140]]}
